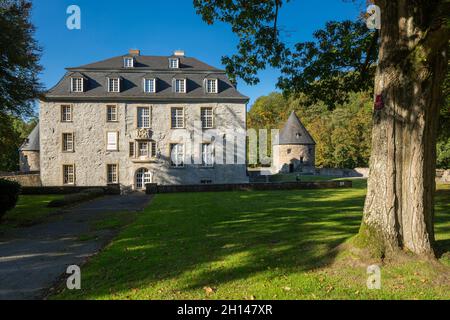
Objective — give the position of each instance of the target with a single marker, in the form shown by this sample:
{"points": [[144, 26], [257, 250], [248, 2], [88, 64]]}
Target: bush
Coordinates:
{"points": [[9, 194], [76, 197]]}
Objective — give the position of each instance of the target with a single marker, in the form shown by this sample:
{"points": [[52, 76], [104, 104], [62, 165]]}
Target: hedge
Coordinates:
{"points": [[9, 194], [76, 197]]}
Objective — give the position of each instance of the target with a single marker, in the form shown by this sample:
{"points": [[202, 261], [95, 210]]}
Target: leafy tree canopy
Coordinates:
{"points": [[19, 59]]}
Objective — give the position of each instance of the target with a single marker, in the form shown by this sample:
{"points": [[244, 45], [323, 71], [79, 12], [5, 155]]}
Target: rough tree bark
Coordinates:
{"points": [[399, 212]]}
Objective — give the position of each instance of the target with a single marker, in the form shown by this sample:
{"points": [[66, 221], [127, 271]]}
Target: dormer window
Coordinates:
{"points": [[174, 63], [179, 85], [211, 85], [150, 85], [113, 84], [77, 84], [128, 62]]}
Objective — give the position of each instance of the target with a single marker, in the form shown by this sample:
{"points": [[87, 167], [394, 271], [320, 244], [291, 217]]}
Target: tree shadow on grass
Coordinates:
{"points": [[209, 239]]}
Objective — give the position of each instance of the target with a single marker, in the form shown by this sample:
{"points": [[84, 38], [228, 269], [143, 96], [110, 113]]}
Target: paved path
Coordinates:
{"points": [[33, 258]]}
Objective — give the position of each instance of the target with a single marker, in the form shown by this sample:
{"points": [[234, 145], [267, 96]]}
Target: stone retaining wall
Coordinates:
{"points": [[154, 188]]}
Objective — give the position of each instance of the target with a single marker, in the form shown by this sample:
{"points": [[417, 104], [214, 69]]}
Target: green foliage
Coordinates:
{"points": [[342, 135], [9, 194], [339, 61], [13, 132]]}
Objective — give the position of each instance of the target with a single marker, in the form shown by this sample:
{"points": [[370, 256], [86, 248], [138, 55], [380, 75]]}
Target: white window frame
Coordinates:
{"points": [[178, 86], [153, 86], [110, 89], [175, 118], [112, 177], [69, 144], [68, 180], [142, 118], [207, 155], [180, 152], [126, 64], [109, 145], [214, 88], [149, 148], [77, 87], [206, 117], [109, 115], [66, 116], [174, 63]]}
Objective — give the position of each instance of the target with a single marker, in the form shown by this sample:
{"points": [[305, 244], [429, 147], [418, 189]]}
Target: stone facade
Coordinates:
{"points": [[90, 157], [295, 150], [290, 158], [29, 161]]}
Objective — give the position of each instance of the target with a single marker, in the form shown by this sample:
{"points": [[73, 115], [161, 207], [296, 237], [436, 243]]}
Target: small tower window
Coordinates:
{"points": [[174, 63], [211, 85], [113, 84], [298, 135], [128, 62], [77, 85]]}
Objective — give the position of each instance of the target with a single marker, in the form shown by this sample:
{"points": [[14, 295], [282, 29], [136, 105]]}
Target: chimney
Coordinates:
{"points": [[135, 52], [178, 53]]}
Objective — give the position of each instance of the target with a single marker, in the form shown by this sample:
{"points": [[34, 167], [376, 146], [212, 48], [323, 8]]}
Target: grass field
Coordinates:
{"points": [[255, 245], [30, 209]]}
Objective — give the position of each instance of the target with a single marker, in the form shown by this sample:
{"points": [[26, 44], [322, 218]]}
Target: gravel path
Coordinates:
{"points": [[33, 258]]}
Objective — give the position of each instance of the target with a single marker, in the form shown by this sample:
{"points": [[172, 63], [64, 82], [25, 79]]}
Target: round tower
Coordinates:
{"points": [[295, 149]]}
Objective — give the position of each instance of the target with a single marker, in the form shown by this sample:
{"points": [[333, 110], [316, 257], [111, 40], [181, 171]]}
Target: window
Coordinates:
{"points": [[113, 85], [77, 84], [112, 173], [146, 149], [180, 85], [69, 174], [206, 115], [67, 142], [177, 118], [177, 155], [128, 62], [207, 155], [111, 113], [206, 181], [131, 149], [149, 85], [112, 141], [174, 63], [211, 85], [143, 117], [66, 113]]}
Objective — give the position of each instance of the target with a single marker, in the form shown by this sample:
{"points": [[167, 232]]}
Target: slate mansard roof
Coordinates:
{"points": [[194, 71], [294, 132], [32, 141]]}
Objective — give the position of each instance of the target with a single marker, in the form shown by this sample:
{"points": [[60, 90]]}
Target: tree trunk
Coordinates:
{"points": [[399, 212]]}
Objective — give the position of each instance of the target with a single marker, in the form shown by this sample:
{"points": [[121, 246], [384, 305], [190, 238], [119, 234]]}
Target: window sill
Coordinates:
{"points": [[149, 160]]}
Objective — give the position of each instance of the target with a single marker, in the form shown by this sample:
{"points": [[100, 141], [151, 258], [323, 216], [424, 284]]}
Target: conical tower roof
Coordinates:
{"points": [[32, 142], [294, 132]]}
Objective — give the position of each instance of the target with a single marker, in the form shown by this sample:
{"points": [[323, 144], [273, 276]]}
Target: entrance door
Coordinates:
{"points": [[143, 176]]}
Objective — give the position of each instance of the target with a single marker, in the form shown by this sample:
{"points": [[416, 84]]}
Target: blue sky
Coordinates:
{"points": [[157, 27]]}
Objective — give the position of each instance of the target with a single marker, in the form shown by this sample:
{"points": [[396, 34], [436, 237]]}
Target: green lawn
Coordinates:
{"points": [[255, 245], [30, 209]]}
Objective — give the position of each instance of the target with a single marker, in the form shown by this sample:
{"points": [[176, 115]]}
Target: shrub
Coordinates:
{"points": [[76, 197], [9, 194]]}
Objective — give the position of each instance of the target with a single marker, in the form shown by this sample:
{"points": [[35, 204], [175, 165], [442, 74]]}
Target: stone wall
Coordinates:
{"points": [[154, 188], [91, 157], [25, 180], [29, 161]]}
